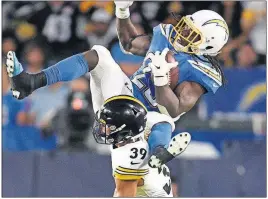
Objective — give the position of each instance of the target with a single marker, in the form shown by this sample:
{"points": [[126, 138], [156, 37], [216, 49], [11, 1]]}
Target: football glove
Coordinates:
{"points": [[122, 9], [160, 67], [123, 4]]}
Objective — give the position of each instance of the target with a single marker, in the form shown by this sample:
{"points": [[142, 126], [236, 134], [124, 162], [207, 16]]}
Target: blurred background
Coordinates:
{"points": [[48, 148]]}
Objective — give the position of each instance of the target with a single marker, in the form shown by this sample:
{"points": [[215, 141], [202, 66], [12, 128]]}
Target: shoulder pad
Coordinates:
{"points": [[163, 29], [206, 75]]}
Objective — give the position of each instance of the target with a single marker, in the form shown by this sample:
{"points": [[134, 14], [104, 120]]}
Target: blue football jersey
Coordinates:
{"points": [[191, 68]]}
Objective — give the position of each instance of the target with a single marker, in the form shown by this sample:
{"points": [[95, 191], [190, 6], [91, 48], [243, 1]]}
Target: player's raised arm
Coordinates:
{"points": [[131, 41]]}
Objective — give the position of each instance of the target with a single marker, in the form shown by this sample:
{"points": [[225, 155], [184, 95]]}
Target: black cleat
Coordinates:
{"points": [[21, 82], [177, 145]]}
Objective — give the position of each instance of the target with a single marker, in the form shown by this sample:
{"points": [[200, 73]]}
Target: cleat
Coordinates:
{"points": [[20, 80], [154, 162], [177, 145], [16, 94], [14, 67]]}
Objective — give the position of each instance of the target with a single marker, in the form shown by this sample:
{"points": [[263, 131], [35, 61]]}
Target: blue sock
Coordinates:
{"points": [[160, 136], [66, 70]]}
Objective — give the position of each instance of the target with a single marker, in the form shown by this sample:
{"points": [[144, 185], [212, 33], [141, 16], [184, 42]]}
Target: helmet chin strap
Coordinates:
{"points": [[203, 52], [212, 54]]}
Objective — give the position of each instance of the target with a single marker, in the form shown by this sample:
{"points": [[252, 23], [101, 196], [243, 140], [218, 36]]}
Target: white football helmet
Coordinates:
{"points": [[203, 33]]}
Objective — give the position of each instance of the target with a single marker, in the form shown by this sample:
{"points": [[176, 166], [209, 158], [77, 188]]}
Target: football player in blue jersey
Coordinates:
{"points": [[195, 41]]}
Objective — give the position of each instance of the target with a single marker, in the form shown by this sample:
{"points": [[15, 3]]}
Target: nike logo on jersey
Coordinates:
{"points": [[133, 163]]}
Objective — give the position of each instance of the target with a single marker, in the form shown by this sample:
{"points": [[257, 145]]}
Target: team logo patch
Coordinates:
{"points": [[218, 22]]}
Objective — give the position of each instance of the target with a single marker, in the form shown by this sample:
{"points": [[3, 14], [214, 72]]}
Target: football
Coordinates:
{"points": [[174, 72]]}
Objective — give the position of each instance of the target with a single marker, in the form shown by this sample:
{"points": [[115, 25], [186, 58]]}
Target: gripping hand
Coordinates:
{"points": [[160, 67], [122, 9]]}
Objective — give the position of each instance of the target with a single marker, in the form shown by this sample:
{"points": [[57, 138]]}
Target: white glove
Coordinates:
{"points": [[123, 4], [122, 9], [160, 67]]}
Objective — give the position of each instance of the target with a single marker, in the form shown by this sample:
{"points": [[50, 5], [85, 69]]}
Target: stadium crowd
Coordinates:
{"points": [[42, 33]]}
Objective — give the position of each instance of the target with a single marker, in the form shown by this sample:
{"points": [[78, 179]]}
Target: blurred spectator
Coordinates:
{"points": [[151, 12], [20, 10], [56, 22], [182, 8], [246, 56], [35, 57], [253, 31], [7, 8], [9, 42], [88, 6], [189, 7], [254, 21], [15, 11], [16, 16], [7, 45], [73, 122], [175, 7], [101, 28], [231, 11]]}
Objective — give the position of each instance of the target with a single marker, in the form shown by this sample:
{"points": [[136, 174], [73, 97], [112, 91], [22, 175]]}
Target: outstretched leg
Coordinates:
{"points": [[162, 154], [107, 78], [23, 84], [159, 132]]}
